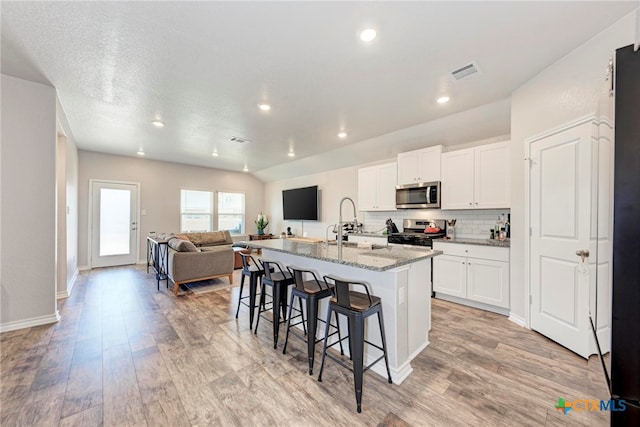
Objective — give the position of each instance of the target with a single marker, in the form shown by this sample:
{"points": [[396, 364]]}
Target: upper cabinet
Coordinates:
{"points": [[477, 178], [377, 188], [419, 165]]}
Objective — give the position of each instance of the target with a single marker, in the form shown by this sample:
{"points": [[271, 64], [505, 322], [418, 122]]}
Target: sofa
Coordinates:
{"points": [[200, 256]]}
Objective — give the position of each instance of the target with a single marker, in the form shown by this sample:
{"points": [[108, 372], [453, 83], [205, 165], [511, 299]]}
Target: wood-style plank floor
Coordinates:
{"points": [[126, 355]]}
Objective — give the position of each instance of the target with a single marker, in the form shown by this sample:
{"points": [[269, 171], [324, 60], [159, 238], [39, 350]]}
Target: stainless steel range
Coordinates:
{"points": [[420, 232]]}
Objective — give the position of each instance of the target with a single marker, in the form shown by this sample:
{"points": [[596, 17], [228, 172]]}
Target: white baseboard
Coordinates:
{"points": [[474, 304], [517, 320], [419, 350], [67, 293], [73, 281], [398, 375], [28, 323]]}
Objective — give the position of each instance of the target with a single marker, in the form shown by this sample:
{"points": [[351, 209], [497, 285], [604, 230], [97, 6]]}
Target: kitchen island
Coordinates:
{"points": [[400, 276]]}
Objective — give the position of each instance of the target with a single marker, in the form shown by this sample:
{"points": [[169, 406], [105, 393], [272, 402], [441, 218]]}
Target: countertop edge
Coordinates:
{"points": [[424, 256], [478, 242]]}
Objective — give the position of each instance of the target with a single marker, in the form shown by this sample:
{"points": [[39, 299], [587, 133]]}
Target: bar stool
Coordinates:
{"points": [[253, 270], [279, 280], [312, 291], [356, 306]]}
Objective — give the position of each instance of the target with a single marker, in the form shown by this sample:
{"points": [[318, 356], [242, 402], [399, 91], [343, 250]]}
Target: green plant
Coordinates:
{"points": [[262, 221]]}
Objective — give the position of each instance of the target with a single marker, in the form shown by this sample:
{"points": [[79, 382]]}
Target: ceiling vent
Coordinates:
{"points": [[466, 72], [239, 140]]}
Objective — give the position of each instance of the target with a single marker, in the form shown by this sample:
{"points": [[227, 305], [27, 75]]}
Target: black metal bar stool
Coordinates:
{"points": [[312, 291], [356, 306], [279, 280], [254, 271]]}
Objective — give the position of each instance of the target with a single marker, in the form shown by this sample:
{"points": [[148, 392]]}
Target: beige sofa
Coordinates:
{"points": [[200, 256]]}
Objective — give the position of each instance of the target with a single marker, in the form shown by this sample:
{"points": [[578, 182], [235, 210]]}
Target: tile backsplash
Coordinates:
{"points": [[470, 224]]}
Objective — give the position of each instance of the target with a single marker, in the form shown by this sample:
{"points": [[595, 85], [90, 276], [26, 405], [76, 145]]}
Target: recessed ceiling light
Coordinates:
{"points": [[291, 154], [443, 100], [342, 135], [246, 168], [215, 154], [264, 107], [140, 152], [368, 35], [158, 123]]}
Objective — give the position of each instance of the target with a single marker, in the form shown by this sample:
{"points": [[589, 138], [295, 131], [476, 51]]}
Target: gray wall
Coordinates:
{"points": [[565, 91], [28, 231], [160, 184]]}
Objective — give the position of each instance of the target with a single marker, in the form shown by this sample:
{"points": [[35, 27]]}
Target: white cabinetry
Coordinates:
{"points": [[377, 188], [472, 274], [477, 178], [419, 165]]}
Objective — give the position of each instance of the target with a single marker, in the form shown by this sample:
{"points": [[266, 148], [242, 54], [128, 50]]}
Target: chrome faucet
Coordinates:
{"points": [[326, 233], [355, 220]]}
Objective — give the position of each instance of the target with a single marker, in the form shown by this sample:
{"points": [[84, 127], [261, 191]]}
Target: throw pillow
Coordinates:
{"points": [[182, 245]]}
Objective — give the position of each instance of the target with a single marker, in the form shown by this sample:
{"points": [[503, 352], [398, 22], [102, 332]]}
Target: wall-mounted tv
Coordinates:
{"points": [[300, 203]]}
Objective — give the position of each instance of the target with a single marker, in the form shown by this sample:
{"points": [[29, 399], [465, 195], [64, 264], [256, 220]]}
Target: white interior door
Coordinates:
{"points": [[114, 228], [560, 218]]}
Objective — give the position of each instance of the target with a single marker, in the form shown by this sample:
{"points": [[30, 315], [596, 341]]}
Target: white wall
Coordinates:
{"points": [[61, 215], [567, 90], [332, 185], [66, 205], [336, 184], [72, 211], [28, 293], [160, 184]]}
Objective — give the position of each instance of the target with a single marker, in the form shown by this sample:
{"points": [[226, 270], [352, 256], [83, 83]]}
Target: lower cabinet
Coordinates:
{"points": [[472, 272]]}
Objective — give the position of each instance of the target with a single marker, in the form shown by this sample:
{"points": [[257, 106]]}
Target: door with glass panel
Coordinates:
{"points": [[114, 227]]}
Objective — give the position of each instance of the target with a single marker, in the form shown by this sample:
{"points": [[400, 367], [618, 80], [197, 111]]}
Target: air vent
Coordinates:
{"points": [[466, 72], [239, 140]]}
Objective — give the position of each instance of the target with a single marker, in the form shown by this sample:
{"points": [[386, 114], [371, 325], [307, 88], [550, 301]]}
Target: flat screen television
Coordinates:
{"points": [[300, 203]]}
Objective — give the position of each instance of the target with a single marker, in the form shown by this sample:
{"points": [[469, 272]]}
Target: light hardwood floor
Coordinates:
{"points": [[126, 355]]}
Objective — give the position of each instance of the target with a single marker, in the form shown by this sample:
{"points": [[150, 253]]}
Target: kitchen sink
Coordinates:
{"points": [[355, 245]]}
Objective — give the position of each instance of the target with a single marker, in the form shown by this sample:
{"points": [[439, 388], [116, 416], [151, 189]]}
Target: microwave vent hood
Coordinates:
{"points": [[425, 195]]}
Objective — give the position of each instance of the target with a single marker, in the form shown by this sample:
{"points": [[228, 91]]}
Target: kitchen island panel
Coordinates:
{"points": [[406, 313]]}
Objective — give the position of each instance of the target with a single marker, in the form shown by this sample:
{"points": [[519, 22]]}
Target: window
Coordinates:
{"points": [[196, 211], [231, 212]]}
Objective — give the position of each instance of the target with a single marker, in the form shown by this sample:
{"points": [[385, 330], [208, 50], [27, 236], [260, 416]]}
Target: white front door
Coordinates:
{"points": [[560, 206], [114, 228]]}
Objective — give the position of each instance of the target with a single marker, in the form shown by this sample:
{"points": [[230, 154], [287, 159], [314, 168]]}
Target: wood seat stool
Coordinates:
{"points": [[254, 271], [311, 291], [356, 306], [279, 280]]}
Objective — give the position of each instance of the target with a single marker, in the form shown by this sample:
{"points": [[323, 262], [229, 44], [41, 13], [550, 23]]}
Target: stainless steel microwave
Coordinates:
{"points": [[425, 195]]}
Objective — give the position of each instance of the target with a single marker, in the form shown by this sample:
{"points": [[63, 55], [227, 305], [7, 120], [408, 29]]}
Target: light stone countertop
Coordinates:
{"points": [[368, 234], [381, 258], [479, 242]]}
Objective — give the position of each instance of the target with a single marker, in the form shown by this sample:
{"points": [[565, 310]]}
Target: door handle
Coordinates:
{"points": [[583, 253]]}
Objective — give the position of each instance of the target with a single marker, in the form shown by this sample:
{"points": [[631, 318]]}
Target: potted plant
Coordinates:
{"points": [[261, 223]]}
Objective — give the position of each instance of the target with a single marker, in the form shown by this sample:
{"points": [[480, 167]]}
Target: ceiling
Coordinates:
{"points": [[203, 67]]}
